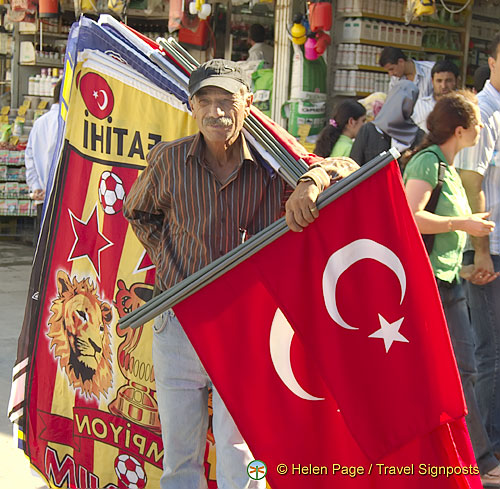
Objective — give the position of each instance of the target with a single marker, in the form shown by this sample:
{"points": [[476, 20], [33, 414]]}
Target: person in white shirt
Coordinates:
{"points": [[444, 75], [399, 67], [40, 151], [259, 50], [480, 172]]}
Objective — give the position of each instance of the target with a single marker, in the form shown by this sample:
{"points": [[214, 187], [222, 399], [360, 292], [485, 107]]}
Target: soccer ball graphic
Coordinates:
{"points": [[111, 192], [130, 472]]}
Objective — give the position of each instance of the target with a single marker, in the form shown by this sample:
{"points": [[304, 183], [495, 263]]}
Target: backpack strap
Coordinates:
{"points": [[436, 191], [432, 204]]}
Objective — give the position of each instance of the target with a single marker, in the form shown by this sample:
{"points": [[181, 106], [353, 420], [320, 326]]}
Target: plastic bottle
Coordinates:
{"points": [[359, 54], [339, 54], [310, 48], [320, 16], [382, 32], [31, 88], [351, 59], [351, 81], [356, 28], [298, 31], [41, 82], [36, 85], [347, 30]]}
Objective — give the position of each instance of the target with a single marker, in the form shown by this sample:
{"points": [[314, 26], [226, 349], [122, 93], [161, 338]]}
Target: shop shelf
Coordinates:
{"points": [[402, 21]]}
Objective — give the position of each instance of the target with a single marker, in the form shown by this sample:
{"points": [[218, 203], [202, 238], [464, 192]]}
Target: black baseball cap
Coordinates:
{"points": [[221, 73]]}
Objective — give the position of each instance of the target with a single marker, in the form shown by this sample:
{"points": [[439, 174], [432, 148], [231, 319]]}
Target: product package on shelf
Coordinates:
{"points": [[11, 189], [358, 29], [24, 190], [11, 207], [15, 158], [15, 173], [24, 207]]}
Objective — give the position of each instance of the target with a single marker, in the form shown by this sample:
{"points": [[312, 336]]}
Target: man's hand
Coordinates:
{"points": [[477, 276], [38, 194], [301, 206], [483, 261]]}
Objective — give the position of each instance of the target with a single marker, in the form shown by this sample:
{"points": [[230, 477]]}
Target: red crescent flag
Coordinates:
{"points": [[97, 95], [330, 349]]}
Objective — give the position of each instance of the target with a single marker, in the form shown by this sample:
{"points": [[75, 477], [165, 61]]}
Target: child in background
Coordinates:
{"points": [[337, 137]]}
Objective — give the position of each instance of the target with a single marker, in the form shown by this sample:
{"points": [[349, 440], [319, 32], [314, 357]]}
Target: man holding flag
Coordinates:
{"points": [[200, 197]]}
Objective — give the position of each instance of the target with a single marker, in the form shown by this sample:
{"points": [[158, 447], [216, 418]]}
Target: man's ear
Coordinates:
{"points": [[491, 62], [190, 100], [459, 131]]}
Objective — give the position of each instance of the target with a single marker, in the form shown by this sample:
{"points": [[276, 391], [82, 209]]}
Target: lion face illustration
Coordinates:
{"points": [[79, 332]]}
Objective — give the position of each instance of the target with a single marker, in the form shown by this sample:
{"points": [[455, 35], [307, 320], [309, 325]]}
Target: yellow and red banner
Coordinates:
{"points": [[89, 413]]}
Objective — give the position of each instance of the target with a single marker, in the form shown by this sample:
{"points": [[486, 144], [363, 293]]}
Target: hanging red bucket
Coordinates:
{"points": [[48, 8]]}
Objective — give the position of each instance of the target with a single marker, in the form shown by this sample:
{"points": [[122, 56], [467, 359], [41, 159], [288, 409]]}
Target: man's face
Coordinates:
{"points": [[443, 82], [219, 114], [397, 69]]}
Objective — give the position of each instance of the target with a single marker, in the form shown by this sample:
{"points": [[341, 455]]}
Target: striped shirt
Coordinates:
{"points": [[484, 157], [422, 79], [422, 109], [186, 218]]}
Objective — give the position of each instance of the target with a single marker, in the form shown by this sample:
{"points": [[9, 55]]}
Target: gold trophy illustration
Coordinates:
{"points": [[136, 399]]}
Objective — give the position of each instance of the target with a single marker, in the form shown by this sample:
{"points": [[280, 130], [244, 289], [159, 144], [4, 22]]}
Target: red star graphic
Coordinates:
{"points": [[144, 263], [89, 241]]}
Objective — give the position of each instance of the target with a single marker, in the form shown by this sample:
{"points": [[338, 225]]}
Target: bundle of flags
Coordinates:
{"points": [[329, 347]]}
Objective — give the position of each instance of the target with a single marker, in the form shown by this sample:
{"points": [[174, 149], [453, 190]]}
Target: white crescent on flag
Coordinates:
{"points": [[280, 342], [105, 102], [341, 260]]}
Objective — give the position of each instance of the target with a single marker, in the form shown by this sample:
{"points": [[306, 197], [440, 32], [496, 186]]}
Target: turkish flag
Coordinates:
{"points": [[330, 350]]}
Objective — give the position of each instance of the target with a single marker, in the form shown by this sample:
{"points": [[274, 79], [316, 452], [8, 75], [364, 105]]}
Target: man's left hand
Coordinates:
{"points": [[301, 206]]}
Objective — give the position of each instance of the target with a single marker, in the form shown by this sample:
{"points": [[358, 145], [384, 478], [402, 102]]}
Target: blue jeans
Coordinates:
{"points": [[182, 389], [484, 304], [457, 317]]}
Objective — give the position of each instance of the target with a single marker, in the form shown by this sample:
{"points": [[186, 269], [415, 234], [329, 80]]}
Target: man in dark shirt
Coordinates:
{"points": [[198, 199]]}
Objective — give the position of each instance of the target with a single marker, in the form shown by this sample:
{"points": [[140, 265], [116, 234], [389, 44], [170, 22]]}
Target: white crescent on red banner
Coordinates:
{"points": [[280, 343]]}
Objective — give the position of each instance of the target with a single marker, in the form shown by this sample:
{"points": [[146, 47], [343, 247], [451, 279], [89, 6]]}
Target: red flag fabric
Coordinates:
{"points": [[339, 370]]}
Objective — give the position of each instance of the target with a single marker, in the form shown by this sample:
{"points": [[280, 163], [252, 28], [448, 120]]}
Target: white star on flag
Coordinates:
{"points": [[389, 332], [95, 94]]}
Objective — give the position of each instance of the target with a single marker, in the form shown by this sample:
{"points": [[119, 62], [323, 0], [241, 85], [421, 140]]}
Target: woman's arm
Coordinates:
{"points": [[419, 192]]}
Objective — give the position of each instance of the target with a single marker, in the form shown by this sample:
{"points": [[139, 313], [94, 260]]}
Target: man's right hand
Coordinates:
{"points": [[38, 194]]}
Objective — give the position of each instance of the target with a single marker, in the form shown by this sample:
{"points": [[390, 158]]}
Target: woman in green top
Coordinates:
{"points": [[337, 137], [453, 125]]}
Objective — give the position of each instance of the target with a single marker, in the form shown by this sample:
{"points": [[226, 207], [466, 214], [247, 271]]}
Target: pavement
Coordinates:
{"points": [[15, 269]]}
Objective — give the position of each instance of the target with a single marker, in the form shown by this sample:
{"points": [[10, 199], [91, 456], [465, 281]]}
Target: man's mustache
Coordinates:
{"points": [[218, 121]]}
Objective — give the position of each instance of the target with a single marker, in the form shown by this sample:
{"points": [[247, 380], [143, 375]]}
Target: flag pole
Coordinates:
{"points": [[214, 270]]}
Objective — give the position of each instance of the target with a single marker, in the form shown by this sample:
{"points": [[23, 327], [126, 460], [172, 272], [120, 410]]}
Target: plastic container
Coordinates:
{"points": [[320, 16], [310, 49], [366, 29]]}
